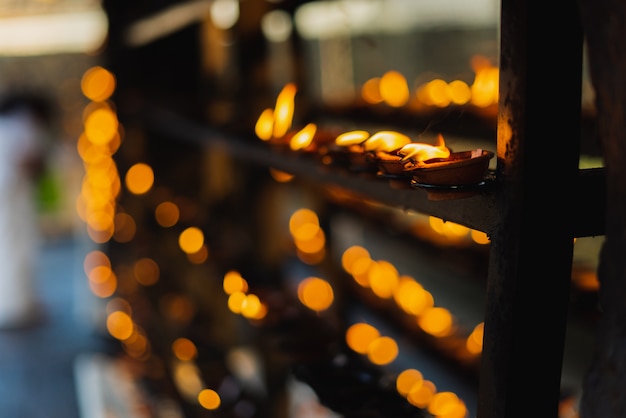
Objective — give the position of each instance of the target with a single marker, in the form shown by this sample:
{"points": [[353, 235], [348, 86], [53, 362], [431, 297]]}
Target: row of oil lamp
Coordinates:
{"points": [[389, 154]]}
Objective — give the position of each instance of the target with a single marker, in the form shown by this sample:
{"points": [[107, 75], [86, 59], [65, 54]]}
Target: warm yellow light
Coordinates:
{"points": [[474, 342], [167, 214], [382, 351], [303, 217], [95, 258], [303, 138], [421, 395], [315, 293], [313, 245], [97, 83], [199, 256], [139, 178], [386, 141], [101, 126], [284, 109], [460, 92], [264, 127], [383, 279], [233, 282], [236, 301], [352, 138], [408, 380], [443, 403], [360, 335], [184, 349], [436, 321], [394, 89], [209, 399], [120, 325], [280, 176], [360, 271], [191, 240], [370, 91], [146, 271], [411, 296], [352, 254], [251, 306], [479, 237], [102, 281]]}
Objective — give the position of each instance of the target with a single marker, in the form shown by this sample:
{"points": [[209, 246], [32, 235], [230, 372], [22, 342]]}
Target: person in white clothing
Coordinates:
{"points": [[25, 120]]}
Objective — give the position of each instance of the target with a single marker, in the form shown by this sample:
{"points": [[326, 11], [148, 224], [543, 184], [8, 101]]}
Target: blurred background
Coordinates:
{"points": [[138, 324]]}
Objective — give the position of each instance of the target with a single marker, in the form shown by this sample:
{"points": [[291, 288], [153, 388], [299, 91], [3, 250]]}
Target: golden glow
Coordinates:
{"points": [[124, 227], [383, 279], [460, 92], [264, 127], [313, 245], [479, 237], [101, 126], [303, 223], [419, 152], [139, 178], [360, 335], [411, 296], [191, 240], [448, 229], [146, 271], [120, 325], [233, 282], [382, 351], [281, 176], [356, 137], [137, 345], [236, 301], [474, 342], [303, 138], [167, 214], [251, 306], [360, 271], [102, 281], [315, 293], [485, 88], [434, 93], [436, 321], [97, 84], [199, 256], [443, 404], [209, 399], [184, 349], [421, 395], [95, 258], [351, 255], [408, 380], [386, 141], [394, 89], [370, 91], [284, 109]]}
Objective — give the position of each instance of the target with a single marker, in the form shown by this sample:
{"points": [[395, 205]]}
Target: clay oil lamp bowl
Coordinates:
{"points": [[455, 175], [349, 151], [382, 149]]}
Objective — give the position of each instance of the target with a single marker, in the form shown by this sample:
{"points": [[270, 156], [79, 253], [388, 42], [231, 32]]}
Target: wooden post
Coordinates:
{"points": [[532, 245]]}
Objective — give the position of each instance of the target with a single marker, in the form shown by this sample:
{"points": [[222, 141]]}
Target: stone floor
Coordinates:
{"points": [[37, 363]]}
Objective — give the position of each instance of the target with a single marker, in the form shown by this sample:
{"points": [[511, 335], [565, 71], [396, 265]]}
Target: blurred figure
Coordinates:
{"points": [[25, 121]]}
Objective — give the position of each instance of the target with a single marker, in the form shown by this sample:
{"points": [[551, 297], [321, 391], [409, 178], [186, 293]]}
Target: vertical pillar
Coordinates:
{"points": [[531, 247]]}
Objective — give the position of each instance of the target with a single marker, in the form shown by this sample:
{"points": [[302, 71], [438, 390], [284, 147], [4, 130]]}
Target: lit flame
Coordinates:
{"points": [[386, 141], [275, 123], [352, 138], [303, 138], [420, 152]]}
